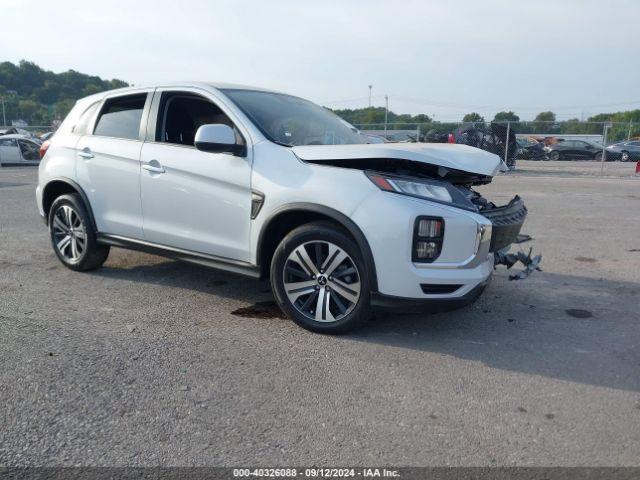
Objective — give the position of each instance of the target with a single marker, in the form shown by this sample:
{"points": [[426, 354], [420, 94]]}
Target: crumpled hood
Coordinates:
{"points": [[448, 155]]}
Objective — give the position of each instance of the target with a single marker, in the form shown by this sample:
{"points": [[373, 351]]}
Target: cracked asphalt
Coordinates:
{"points": [[149, 361]]}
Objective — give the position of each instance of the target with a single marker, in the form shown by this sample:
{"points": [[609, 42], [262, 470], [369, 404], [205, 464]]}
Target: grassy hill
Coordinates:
{"points": [[40, 96]]}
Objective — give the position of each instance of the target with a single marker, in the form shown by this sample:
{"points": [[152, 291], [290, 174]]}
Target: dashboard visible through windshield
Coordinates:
{"points": [[293, 121]]}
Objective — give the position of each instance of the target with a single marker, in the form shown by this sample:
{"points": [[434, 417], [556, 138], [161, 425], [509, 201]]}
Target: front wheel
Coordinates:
{"points": [[598, 157], [624, 156], [554, 155], [319, 279]]}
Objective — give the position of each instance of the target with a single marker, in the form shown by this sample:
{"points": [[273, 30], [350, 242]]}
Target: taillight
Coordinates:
{"points": [[43, 148]]}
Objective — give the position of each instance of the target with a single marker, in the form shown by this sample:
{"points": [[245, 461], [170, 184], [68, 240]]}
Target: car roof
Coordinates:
{"points": [[19, 136], [206, 85]]}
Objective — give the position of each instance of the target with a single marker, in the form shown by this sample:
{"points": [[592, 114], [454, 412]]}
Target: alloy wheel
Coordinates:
{"points": [[69, 234], [321, 281], [625, 156]]}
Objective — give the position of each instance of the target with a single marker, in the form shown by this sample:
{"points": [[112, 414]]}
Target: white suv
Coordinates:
{"points": [[266, 184]]}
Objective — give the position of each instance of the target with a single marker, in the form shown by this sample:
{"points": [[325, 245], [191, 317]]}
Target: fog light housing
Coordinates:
{"points": [[428, 234]]}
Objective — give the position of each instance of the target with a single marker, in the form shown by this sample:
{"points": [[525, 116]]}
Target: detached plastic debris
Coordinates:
{"points": [[510, 259]]}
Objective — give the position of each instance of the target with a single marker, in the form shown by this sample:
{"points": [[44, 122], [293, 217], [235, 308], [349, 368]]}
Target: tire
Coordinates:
{"points": [[598, 157], [554, 155], [75, 247], [624, 156], [333, 294]]}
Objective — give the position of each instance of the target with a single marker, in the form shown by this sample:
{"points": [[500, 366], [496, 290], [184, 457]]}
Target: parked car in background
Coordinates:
{"points": [[574, 150], [530, 149], [18, 150], [371, 138], [628, 151], [46, 136], [21, 132]]}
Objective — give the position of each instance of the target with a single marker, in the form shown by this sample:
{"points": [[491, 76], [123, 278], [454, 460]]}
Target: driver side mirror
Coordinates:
{"points": [[218, 138]]}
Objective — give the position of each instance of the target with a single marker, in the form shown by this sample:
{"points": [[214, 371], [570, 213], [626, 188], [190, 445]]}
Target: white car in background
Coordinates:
{"points": [[270, 185], [16, 149]]}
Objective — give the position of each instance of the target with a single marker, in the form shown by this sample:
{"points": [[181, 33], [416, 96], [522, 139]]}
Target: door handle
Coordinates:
{"points": [[154, 167], [85, 153]]}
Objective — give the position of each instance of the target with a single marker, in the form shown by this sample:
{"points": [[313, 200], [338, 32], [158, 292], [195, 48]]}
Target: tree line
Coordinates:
{"points": [[40, 97]]}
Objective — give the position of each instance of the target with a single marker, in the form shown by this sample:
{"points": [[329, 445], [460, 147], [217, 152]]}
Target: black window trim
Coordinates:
{"points": [[143, 118]]}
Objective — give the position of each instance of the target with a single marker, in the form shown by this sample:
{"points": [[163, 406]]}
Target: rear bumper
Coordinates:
{"points": [[427, 305]]}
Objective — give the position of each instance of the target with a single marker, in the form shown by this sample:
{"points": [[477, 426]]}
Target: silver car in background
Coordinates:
{"points": [[17, 150]]}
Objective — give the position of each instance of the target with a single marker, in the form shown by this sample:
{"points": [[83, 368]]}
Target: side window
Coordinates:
{"points": [[120, 117], [29, 150], [8, 142], [181, 114], [80, 128]]}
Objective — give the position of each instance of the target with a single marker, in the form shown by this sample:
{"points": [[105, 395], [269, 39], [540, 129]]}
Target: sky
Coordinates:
{"points": [[443, 58]]}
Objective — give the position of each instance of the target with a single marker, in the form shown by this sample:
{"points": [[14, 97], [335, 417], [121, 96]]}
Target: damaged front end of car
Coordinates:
{"points": [[440, 182]]}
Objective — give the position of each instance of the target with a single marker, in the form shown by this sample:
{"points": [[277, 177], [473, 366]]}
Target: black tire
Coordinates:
{"points": [[554, 155], [597, 156], [327, 234], [624, 156], [92, 255]]}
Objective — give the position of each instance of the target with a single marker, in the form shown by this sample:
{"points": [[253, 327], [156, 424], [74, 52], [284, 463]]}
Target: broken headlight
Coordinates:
{"points": [[428, 189]]}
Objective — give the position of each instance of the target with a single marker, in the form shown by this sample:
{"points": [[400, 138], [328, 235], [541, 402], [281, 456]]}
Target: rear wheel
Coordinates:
{"points": [[319, 279], [624, 156], [598, 157], [554, 155], [72, 236]]}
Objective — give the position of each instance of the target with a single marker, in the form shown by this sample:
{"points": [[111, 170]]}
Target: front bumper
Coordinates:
{"points": [[427, 305], [506, 223], [465, 262]]}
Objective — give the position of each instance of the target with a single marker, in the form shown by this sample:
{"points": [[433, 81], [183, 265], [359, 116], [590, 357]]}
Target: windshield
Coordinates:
{"points": [[292, 121]]}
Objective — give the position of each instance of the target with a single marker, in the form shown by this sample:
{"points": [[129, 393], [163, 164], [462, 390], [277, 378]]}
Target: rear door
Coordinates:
{"points": [[9, 151], [194, 200], [108, 164]]}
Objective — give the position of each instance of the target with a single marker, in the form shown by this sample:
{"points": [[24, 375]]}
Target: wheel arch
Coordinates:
{"points": [[286, 218], [60, 186]]}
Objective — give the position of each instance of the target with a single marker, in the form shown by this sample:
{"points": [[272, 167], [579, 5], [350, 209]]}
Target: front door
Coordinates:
{"points": [[108, 165], [194, 200]]}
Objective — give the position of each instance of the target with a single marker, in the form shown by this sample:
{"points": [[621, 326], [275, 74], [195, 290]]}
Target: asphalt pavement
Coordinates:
{"points": [[150, 361]]}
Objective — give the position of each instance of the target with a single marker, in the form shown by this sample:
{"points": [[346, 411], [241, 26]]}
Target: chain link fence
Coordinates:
{"points": [[523, 140]]}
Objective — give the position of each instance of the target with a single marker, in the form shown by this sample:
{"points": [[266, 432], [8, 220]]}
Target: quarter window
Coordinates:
{"points": [[120, 117], [83, 122]]}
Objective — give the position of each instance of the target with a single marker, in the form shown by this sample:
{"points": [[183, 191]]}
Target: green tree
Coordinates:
{"points": [[506, 117], [473, 117]]}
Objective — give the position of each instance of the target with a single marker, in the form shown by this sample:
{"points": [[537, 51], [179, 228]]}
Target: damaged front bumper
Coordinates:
{"points": [[506, 223]]}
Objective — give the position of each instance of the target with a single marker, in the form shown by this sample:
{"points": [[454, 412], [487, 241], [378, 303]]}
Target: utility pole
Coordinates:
{"points": [[606, 128], [386, 114], [629, 134], [370, 87], [4, 116]]}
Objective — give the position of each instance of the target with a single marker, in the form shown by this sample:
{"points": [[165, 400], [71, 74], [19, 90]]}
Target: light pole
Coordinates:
{"points": [[386, 113], [370, 87], [4, 116]]}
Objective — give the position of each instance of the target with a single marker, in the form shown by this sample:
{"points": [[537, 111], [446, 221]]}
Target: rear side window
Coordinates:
{"points": [[120, 117], [8, 142]]}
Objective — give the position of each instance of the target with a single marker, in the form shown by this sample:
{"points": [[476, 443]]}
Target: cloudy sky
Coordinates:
{"points": [[444, 58]]}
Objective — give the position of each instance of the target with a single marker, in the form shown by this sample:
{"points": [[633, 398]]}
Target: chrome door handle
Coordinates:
{"points": [[85, 153], [153, 166]]}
